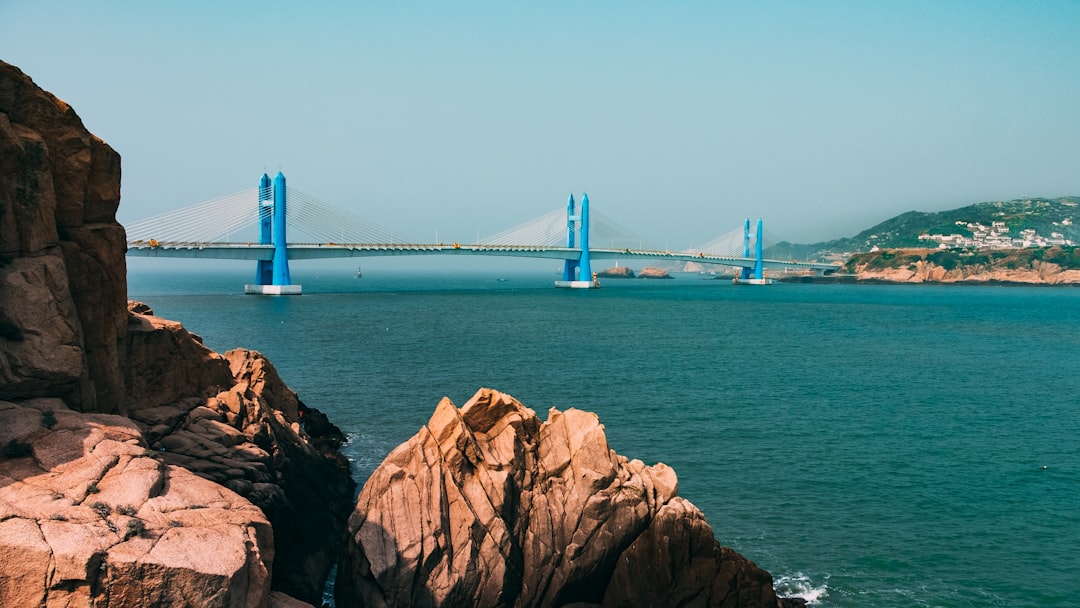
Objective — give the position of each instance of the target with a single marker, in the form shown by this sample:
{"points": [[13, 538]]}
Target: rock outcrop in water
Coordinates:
{"points": [[209, 492], [489, 506], [651, 272], [616, 272]]}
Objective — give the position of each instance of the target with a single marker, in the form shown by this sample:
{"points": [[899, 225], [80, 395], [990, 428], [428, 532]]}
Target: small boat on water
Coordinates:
{"points": [[359, 272]]}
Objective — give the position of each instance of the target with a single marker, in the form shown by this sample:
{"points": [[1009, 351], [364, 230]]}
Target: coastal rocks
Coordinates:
{"points": [[625, 272], [922, 271], [650, 272], [165, 363], [174, 505], [90, 516], [488, 506], [616, 272], [232, 420], [61, 252]]}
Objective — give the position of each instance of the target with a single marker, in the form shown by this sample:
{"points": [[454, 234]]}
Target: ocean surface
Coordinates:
{"points": [[870, 445]]}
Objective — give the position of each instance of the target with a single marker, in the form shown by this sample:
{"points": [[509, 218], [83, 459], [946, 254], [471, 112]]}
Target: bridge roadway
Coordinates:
{"points": [[312, 251]]}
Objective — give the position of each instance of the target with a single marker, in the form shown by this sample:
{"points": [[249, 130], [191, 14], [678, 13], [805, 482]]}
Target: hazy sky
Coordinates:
{"points": [[678, 118]]}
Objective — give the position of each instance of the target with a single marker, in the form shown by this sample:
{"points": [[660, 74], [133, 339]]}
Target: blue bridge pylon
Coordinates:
{"points": [[578, 273], [272, 276], [752, 274]]}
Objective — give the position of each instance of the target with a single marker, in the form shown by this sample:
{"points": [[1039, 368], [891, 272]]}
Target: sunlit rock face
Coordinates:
{"points": [[488, 506], [90, 517]]}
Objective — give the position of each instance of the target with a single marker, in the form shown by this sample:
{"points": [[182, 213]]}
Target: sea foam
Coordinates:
{"points": [[799, 585]]}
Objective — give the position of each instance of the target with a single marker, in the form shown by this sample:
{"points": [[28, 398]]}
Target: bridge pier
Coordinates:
{"points": [[272, 276], [754, 275], [578, 274]]}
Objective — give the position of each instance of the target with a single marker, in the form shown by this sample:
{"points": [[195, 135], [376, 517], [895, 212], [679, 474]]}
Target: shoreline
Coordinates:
{"points": [[856, 280]]}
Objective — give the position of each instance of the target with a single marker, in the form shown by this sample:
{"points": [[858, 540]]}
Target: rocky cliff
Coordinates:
{"points": [[137, 467], [62, 270], [489, 506], [1039, 273], [1028, 266]]}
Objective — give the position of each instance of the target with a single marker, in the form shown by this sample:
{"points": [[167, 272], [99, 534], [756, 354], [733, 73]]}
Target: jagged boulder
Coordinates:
{"points": [[616, 272], [487, 506]]}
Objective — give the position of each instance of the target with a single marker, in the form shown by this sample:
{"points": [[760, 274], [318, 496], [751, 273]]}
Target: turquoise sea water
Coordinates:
{"points": [[868, 445]]}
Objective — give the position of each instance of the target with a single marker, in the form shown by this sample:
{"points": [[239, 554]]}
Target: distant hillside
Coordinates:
{"points": [[1045, 216]]}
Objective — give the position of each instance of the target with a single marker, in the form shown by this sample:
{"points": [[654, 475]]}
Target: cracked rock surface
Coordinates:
{"points": [[488, 506], [89, 516]]}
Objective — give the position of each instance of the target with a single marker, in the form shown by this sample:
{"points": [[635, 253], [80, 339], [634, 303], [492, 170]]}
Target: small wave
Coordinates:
{"points": [[799, 585]]}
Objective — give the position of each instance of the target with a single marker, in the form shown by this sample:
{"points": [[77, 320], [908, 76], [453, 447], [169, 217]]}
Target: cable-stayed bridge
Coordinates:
{"points": [[294, 226]]}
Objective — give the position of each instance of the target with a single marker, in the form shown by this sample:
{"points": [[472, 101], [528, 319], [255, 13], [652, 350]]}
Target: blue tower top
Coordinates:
{"points": [[266, 210], [281, 255], [585, 265]]}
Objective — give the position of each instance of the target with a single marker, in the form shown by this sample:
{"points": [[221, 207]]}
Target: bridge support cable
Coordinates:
{"points": [[210, 222], [548, 230], [729, 244], [320, 222], [605, 233]]}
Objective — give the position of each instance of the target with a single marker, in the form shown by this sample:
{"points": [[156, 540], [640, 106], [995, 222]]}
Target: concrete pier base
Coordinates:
{"points": [[273, 290], [578, 284]]}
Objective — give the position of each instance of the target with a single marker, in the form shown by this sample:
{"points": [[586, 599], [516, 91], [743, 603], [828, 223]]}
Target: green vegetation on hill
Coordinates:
{"points": [[1045, 216], [993, 259]]}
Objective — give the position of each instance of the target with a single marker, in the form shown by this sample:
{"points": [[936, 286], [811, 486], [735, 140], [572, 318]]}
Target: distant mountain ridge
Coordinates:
{"points": [[1044, 215]]}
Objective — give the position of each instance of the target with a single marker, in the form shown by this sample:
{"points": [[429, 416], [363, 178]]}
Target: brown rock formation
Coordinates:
{"points": [[244, 431], [487, 506], [1037, 272], [650, 272], [616, 272], [1041, 273], [89, 516], [69, 343], [61, 253]]}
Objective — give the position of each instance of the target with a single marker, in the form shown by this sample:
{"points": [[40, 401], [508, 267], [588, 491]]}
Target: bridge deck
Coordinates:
{"points": [[312, 251]]}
